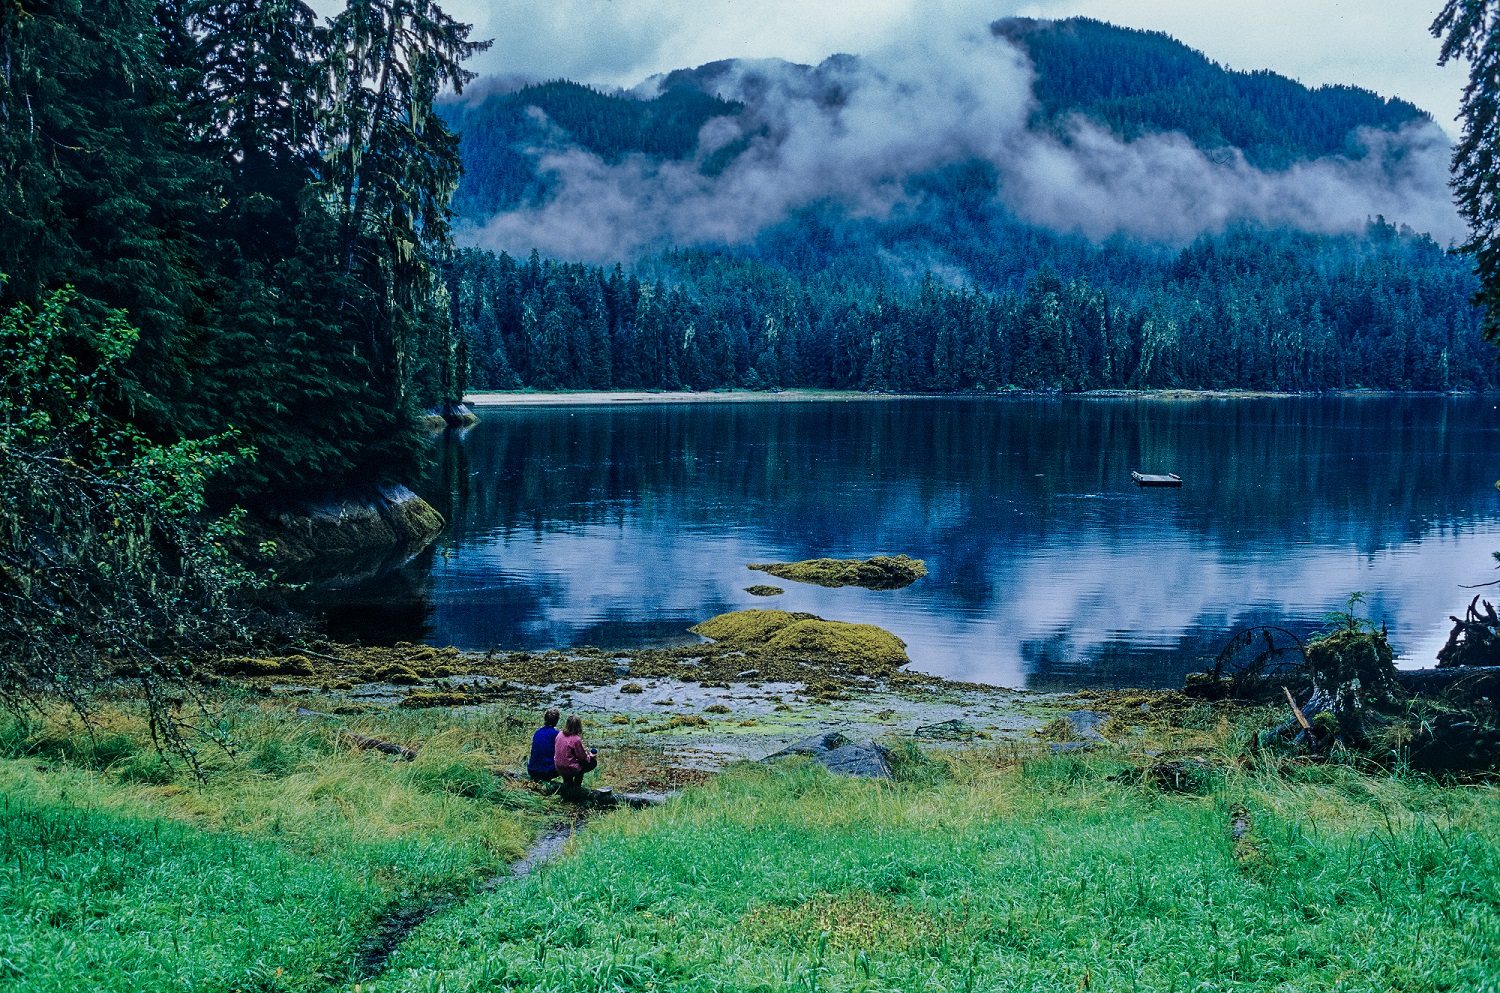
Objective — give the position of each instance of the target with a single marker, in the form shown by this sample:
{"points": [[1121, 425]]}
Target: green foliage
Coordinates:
{"points": [[468, 776], [273, 874], [108, 562], [94, 898], [1064, 877], [264, 198]]}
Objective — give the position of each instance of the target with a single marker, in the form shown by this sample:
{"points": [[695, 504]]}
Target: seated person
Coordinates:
{"points": [[541, 765], [569, 756]]}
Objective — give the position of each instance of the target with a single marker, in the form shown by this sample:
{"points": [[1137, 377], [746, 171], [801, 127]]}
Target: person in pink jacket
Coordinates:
{"points": [[569, 756]]}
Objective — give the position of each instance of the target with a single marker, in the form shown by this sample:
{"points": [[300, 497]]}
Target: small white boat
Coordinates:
{"points": [[1148, 479]]}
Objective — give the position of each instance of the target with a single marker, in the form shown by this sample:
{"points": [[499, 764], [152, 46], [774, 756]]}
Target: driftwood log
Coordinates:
{"points": [[363, 741], [1474, 640], [1437, 680]]}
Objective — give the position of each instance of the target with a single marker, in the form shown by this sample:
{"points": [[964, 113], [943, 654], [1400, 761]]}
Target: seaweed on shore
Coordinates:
{"points": [[883, 572], [764, 645]]}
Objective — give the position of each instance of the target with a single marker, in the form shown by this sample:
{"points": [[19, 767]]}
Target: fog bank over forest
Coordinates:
{"points": [[857, 134]]}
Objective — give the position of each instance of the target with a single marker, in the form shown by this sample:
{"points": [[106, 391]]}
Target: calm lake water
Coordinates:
{"points": [[624, 524]]}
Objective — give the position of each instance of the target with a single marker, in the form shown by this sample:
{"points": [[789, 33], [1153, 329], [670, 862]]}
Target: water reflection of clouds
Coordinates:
{"points": [[1047, 568], [1094, 591]]}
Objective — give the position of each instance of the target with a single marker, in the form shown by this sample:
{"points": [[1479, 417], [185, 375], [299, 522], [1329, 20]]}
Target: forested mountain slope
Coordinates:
{"points": [[1136, 82], [1049, 205], [1132, 82]]}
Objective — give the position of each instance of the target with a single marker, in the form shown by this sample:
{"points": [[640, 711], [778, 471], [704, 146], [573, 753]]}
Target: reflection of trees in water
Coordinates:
{"points": [[447, 487], [1057, 663], [394, 606], [1368, 472], [985, 489]]}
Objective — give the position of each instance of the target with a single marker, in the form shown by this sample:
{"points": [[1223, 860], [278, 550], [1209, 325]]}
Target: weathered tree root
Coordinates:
{"points": [[1474, 640]]}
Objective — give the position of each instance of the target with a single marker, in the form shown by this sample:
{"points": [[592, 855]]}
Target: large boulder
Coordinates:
{"points": [[351, 537], [838, 753]]}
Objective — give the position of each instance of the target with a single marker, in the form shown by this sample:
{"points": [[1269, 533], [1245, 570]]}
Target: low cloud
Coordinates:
{"points": [[852, 132]]}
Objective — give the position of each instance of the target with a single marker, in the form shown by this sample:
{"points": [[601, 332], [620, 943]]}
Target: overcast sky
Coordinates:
{"points": [[1383, 46]]}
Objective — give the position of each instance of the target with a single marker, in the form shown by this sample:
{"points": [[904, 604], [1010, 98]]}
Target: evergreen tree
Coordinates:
{"points": [[393, 165], [1470, 30]]}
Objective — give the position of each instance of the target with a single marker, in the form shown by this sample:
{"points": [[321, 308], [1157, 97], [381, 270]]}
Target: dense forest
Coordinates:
{"points": [[1249, 309], [950, 289], [264, 196], [499, 135]]}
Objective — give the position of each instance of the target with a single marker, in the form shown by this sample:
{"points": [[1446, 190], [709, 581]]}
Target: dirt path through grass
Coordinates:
{"points": [[397, 925]]}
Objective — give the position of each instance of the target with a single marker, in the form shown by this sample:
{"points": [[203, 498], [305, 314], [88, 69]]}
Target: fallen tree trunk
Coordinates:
{"points": [[1436, 680], [363, 741]]}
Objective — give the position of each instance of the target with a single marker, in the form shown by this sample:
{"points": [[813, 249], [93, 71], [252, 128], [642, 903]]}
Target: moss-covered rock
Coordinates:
{"points": [[398, 675], [354, 536], [762, 590], [883, 572], [864, 649], [748, 628], [780, 635], [292, 665]]}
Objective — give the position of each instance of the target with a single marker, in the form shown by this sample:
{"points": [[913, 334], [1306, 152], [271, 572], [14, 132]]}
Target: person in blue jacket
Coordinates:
{"points": [[541, 765]]}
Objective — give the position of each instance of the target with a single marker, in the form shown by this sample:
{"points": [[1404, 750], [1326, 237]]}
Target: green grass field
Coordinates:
{"points": [[118, 873], [994, 868], [1047, 875]]}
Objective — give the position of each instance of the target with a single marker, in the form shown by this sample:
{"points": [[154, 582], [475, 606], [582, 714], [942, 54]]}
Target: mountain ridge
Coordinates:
{"points": [[1130, 82]]}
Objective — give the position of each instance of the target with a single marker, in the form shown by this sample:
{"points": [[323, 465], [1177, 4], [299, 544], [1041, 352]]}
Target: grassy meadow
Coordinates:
{"points": [[118, 872], [1052, 873], [996, 866]]}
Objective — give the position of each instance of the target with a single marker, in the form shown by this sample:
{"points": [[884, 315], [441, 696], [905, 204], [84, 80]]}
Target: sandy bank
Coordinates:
{"points": [[565, 399], [625, 397]]}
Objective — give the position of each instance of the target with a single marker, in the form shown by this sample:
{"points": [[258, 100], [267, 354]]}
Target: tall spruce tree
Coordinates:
{"points": [[392, 166], [1470, 30], [185, 161]]}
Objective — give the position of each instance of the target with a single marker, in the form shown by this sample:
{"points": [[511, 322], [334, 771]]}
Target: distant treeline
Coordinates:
{"points": [[1249, 309]]}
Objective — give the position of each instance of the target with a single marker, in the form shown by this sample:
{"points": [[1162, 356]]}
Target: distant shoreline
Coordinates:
{"points": [[604, 398]]}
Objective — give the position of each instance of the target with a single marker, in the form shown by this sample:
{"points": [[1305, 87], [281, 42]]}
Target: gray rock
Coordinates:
{"points": [[342, 540], [823, 741], [954, 730], [639, 801], [1087, 722], [866, 760], [749, 674], [836, 752], [622, 668]]}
